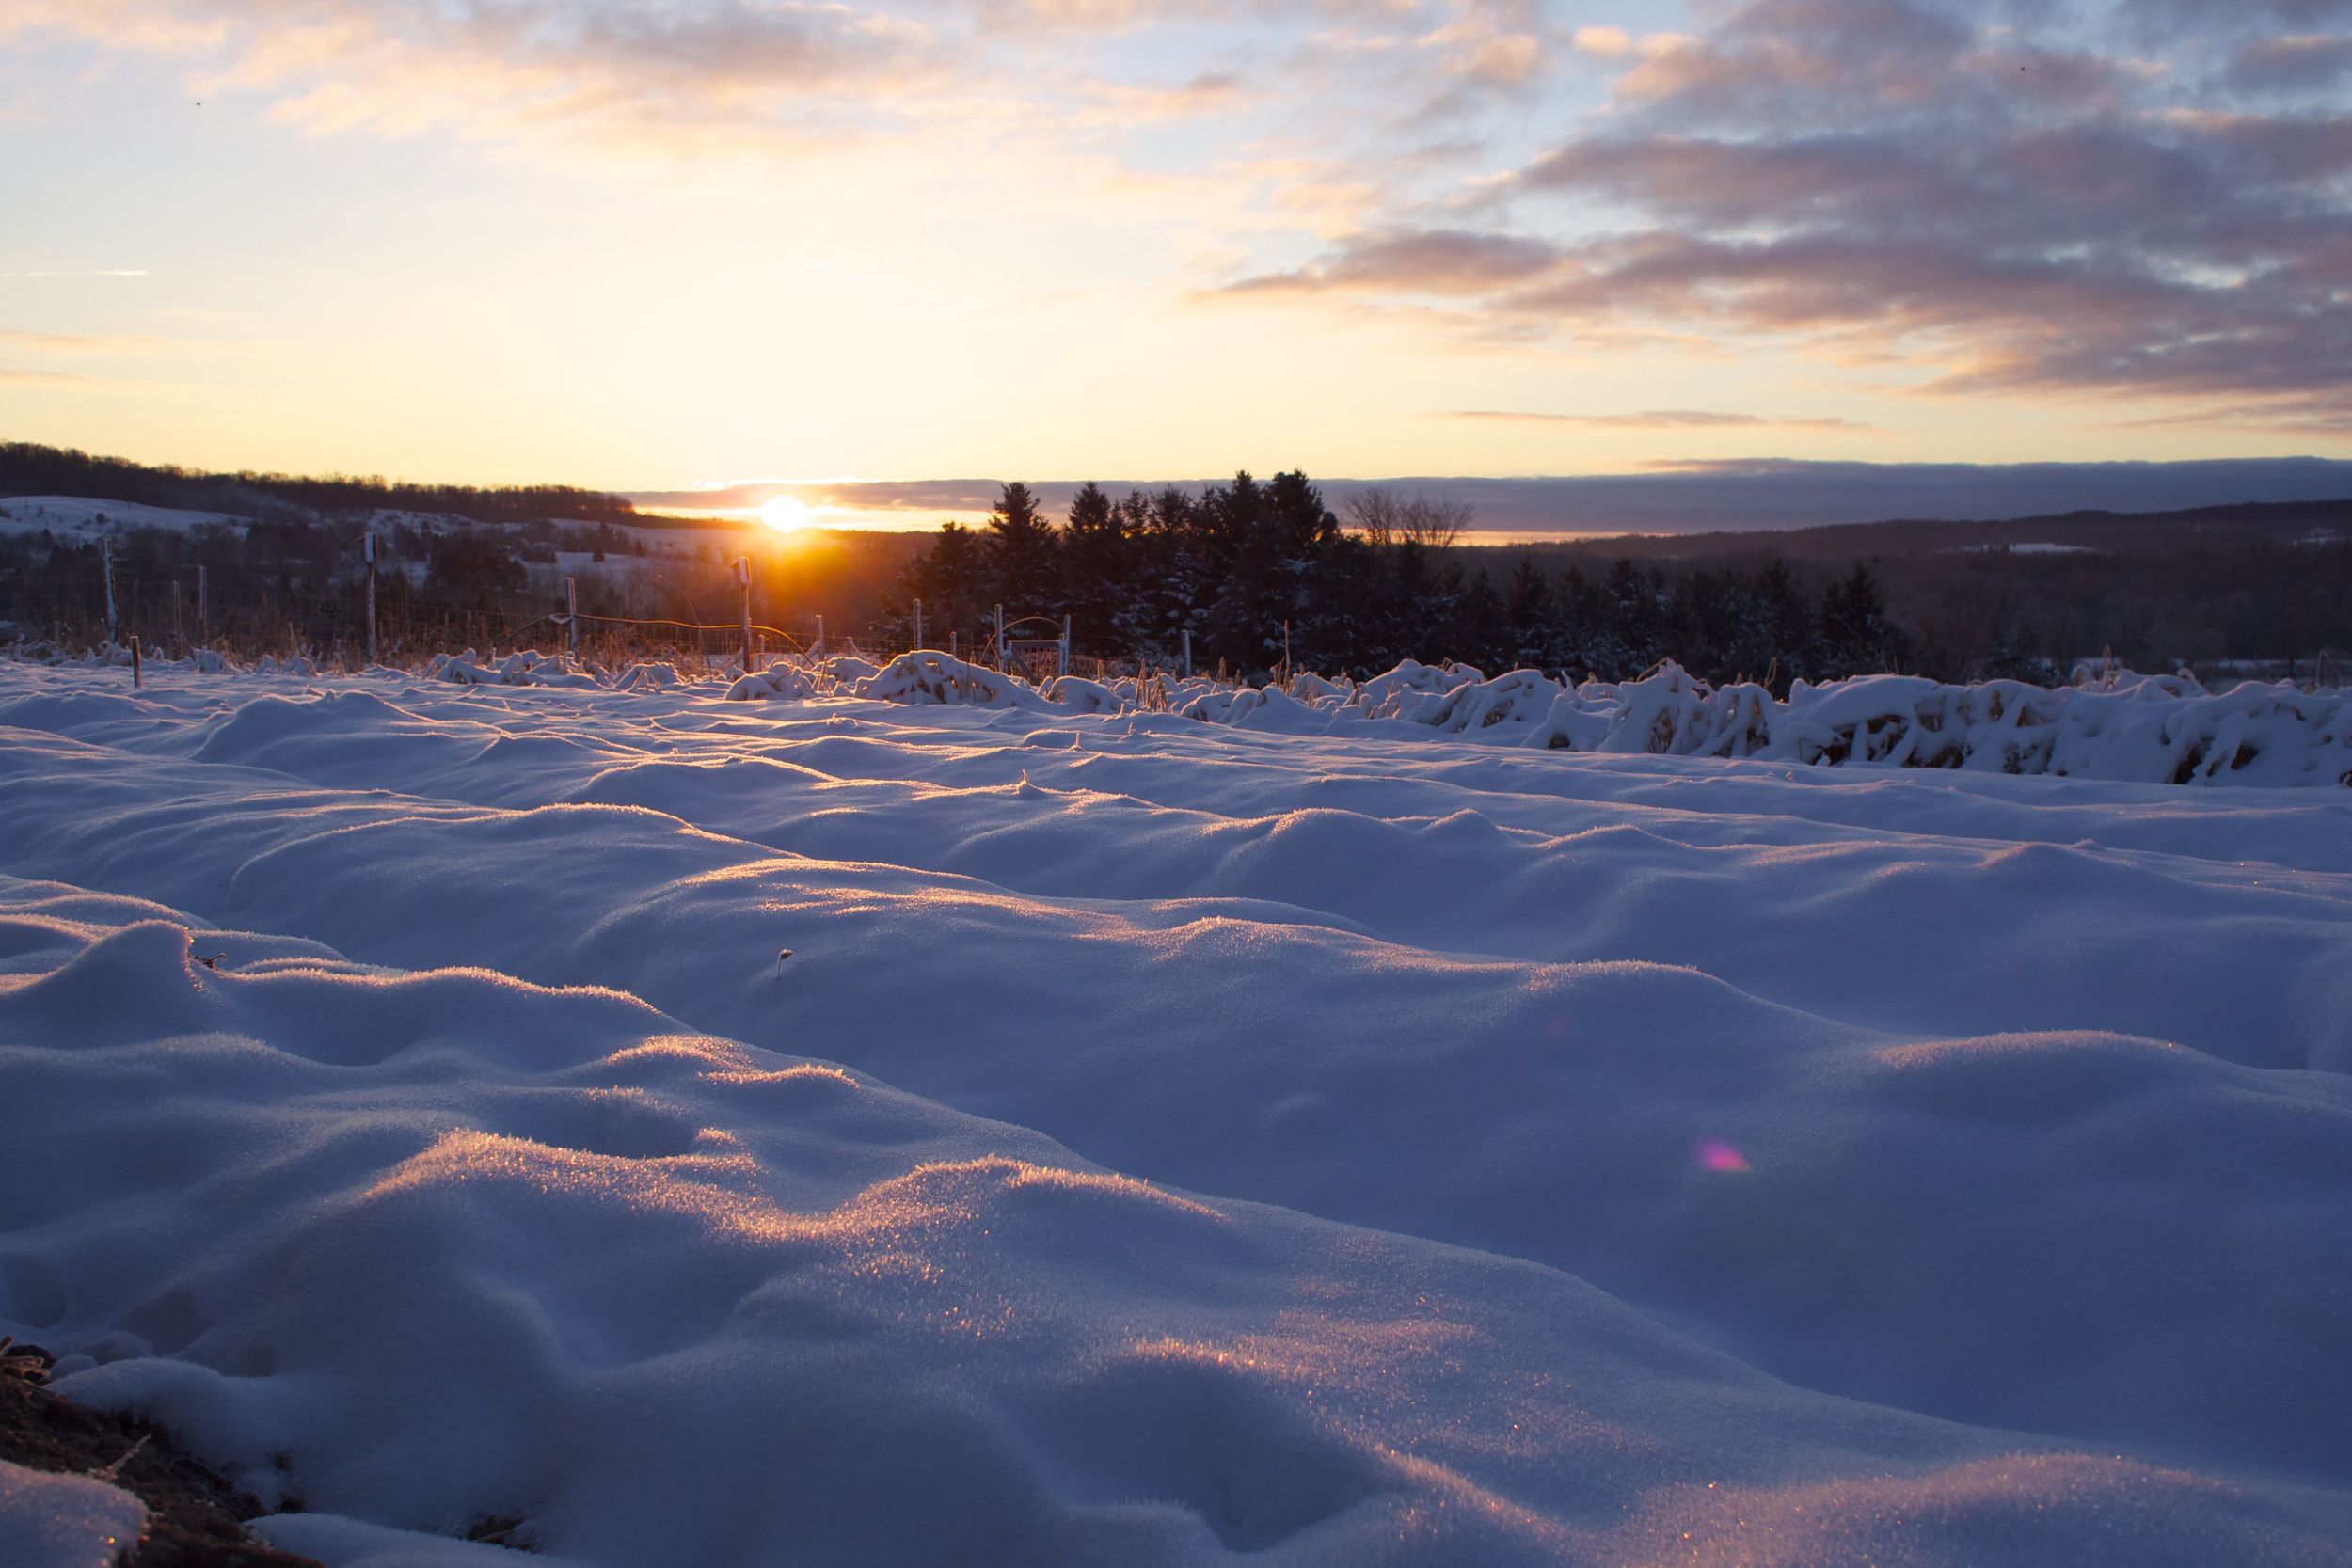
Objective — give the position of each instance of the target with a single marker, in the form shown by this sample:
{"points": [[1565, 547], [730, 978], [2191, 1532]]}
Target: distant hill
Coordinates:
{"points": [[2112, 534], [28, 470]]}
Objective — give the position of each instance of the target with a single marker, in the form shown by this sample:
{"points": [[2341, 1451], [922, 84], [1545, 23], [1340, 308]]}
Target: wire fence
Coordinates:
{"points": [[337, 627]]}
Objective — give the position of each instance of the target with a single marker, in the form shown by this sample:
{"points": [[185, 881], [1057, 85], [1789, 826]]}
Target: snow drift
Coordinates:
{"points": [[1168, 1140]]}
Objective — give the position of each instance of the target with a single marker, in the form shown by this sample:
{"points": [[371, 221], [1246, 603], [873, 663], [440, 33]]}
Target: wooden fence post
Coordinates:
{"points": [[743, 580]]}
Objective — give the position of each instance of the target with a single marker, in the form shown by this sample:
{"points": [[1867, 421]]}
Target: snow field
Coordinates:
{"points": [[1947, 1168], [82, 514]]}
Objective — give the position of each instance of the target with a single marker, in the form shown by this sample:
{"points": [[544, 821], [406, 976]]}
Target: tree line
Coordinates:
{"points": [[1264, 576]]}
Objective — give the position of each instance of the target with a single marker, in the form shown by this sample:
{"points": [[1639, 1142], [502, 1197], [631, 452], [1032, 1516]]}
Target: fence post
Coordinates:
{"points": [[821, 636], [1286, 654], [1065, 644], [571, 610], [203, 610], [1000, 633], [106, 557], [367, 549], [918, 622], [178, 627], [1188, 652], [743, 580]]}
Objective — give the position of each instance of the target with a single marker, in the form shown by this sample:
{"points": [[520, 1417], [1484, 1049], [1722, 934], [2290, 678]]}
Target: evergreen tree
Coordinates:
{"points": [[1096, 565], [1284, 528], [1786, 643], [1482, 629], [1856, 634], [1175, 584], [1532, 615], [949, 578], [1020, 555]]}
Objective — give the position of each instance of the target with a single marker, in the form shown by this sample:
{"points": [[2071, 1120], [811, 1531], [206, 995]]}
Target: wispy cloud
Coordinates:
{"points": [[80, 343], [1663, 419]]}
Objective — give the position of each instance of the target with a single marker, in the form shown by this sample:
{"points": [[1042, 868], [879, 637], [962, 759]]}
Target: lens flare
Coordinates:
{"points": [[1716, 1155]]}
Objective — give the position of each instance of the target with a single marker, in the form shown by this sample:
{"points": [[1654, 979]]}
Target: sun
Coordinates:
{"points": [[785, 513]]}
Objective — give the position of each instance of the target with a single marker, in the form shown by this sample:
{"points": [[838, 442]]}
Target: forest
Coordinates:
{"points": [[1262, 574], [1251, 575]]}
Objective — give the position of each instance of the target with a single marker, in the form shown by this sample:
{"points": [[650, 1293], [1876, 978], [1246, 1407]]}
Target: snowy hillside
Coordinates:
{"points": [[1171, 1140], [80, 514]]}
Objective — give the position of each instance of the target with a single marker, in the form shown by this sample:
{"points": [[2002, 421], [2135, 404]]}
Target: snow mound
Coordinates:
{"points": [[780, 681], [524, 667], [460, 1246], [1080, 695], [847, 669], [938, 679], [648, 676]]}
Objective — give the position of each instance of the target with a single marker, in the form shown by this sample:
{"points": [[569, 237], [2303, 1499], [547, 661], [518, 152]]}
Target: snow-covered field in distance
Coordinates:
{"points": [[83, 514], [1167, 1141]]}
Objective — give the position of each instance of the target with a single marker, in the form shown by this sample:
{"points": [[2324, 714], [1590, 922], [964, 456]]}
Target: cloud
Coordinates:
{"points": [[2303, 62], [1662, 418], [1442, 261], [2094, 198], [1603, 44], [26, 372], [1971, 206], [76, 343]]}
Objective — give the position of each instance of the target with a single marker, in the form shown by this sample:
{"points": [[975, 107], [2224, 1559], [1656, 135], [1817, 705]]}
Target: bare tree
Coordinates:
{"points": [[1378, 515], [1437, 521], [1385, 517]]}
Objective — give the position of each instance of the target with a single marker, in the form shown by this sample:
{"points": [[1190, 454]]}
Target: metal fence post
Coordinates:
{"points": [[368, 551]]}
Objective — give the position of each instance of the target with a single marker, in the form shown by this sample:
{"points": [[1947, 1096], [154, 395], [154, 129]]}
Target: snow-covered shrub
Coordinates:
{"points": [[525, 667], [781, 680], [1082, 696], [925, 676], [2122, 726]]}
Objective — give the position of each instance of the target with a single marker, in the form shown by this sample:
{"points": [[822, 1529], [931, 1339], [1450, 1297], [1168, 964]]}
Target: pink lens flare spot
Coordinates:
{"points": [[1716, 1155]]}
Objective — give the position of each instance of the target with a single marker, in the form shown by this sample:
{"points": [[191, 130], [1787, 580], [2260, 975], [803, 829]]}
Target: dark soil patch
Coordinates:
{"points": [[195, 1519]]}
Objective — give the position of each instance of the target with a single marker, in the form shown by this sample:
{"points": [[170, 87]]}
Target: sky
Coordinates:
{"points": [[655, 244]]}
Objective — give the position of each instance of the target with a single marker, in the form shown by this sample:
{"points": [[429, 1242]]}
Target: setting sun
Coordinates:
{"points": [[785, 513]]}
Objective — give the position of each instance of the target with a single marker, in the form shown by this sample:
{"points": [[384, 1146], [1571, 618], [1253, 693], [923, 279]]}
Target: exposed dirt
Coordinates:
{"points": [[195, 1519]]}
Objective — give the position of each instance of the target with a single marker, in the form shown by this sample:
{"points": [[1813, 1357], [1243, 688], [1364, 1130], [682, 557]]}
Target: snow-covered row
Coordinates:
{"points": [[2127, 728], [2146, 730]]}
